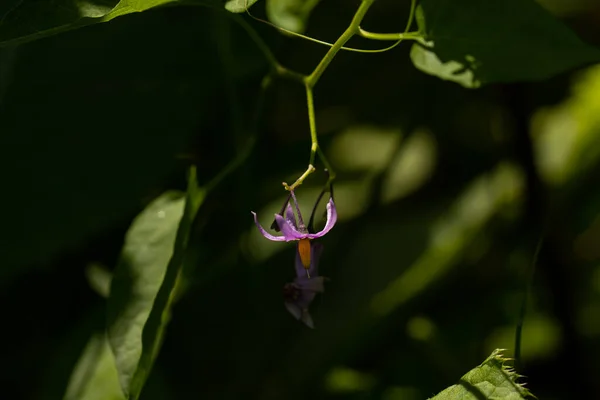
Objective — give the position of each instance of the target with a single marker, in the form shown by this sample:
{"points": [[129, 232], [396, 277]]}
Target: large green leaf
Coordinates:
{"points": [[474, 42], [25, 20], [491, 380], [290, 14], [95, 375], [145, 281]]}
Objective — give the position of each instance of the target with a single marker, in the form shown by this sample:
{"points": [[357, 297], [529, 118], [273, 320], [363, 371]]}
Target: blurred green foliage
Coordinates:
{"points": [[442, 194]]}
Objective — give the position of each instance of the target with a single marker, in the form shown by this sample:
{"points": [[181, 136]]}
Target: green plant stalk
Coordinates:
{"points": [[313, 138], [396, 36], [276, 67], [312, 79], [389, 36], [262, 46], [526, 294]]}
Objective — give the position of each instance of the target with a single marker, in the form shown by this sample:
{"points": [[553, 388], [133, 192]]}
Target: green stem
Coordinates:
{"points": [[398, 37], [312, 123], [262, 46], [284, 72], [352, 30], [311, 80], [388, 36], [526, 294], [253, 132], [299, 181], [326, 164]]}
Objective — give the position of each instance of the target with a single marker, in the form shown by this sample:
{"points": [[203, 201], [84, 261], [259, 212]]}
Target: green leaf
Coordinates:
{"points": [[290, 14], [145, 281], [25, 20], [124, 101], [95, 375], [475, 42], [491, 380], [239, 6]]}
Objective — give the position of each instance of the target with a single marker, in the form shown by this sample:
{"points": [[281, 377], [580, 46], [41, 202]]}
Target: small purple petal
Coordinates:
{"points": [[307, 319], [331, 220], [289, 231], [305, 297], [265, 233], [294, 309], [311, 285], [317, 250], [290, 217]]}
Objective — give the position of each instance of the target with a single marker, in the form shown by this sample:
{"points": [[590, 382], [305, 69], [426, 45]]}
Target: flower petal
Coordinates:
{"points": [[294, 309], [265, 233], [307, 319], [317, 250], [311, 285], [289, 231], [290, 217], [331, 220], [300, 271]]}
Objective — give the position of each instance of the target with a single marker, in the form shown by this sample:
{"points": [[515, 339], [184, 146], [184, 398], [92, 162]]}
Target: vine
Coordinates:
{"points": [[310, 81]]}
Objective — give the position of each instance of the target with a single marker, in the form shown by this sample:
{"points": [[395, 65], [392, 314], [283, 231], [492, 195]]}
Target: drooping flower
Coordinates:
{"points": [[299, 294], [294, 229]]}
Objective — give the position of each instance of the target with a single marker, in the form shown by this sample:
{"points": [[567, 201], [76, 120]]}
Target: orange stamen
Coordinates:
{"points": [[304, 251]]}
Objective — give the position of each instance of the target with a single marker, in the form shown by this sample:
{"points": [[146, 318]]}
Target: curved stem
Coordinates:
{"points": [[525, 300], [311, 80], [249, 145], [388, 36], [312, 123], [325, 162], [352, 30], [262, 46]]}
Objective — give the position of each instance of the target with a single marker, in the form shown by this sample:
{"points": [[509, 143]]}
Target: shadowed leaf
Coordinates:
{"points": [[475, 42]]}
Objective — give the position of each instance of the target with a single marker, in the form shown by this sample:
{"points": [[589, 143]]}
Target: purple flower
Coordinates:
{"points": [[293, 230], [299, 294]]}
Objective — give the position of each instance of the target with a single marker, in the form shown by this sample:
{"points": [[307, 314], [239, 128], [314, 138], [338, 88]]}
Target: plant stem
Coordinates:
{"points": [[284, 72], [278, 69], [526, 294], [352, 30], [312, 123], [299, 181], [388, 36], [311, 80], [262, 46]]}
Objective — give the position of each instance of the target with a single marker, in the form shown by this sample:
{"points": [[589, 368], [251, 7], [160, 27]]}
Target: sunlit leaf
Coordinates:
{"points": [[290, 14], [239, 6], [491, 380], [25, 20], [145, 281], [95, 375], [451, 234], [475, 42]]}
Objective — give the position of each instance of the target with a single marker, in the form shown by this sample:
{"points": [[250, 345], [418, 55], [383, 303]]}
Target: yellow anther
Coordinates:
{"points": [[304, 251]]}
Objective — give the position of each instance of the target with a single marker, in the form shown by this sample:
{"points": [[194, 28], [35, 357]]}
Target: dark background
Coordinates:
{"points": [[425, 283]]}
